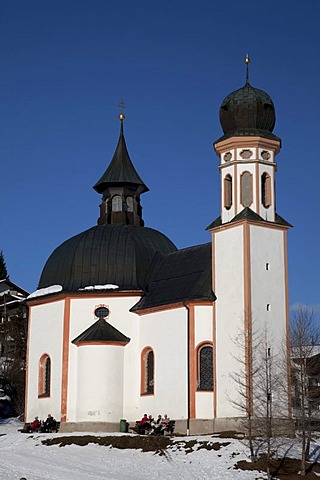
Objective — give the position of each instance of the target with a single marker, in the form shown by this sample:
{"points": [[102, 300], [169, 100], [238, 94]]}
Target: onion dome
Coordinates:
{"points": [[247, 111], [105, 254]]}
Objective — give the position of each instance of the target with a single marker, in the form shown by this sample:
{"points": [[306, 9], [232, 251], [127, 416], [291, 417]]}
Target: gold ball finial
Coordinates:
{"points": [[122, 107], [247, 59]]}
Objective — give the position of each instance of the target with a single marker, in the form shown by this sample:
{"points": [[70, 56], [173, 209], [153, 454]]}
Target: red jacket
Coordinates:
{"points": [[35, 424]]}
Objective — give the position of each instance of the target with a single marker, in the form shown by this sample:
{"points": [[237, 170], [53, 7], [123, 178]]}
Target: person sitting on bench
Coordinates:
{"points": [[35, 424], [50, 424], [143, 424]]}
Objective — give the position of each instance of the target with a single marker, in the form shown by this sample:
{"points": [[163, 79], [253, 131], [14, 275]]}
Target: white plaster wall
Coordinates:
{"points": [[100, 383], [82, 317], [229, 289], [45, 336], [204, 405], [166, 333], [203, 323], [203, 332], [268, 286]]}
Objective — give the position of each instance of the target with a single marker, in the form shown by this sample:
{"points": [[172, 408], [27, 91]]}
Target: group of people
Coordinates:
{"points": [[43, 426], [155, 427]]}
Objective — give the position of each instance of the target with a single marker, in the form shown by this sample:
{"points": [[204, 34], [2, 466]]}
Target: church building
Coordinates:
{"points": [[123, 323]]}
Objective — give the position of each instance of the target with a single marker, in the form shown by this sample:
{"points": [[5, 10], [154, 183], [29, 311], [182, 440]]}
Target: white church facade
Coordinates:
{"points": [[124, 324]]}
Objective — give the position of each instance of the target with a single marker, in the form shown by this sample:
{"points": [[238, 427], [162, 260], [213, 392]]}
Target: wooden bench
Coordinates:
{"points": [[168, 429], [26, 428]]}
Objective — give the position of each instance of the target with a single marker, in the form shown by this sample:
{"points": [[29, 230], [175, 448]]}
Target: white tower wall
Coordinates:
{"points": [[100, 383]]}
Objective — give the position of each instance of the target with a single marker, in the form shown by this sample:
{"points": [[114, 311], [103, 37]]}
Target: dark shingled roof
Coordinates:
{"points": [[248, 214], [180, 276], [249, 132], [247, 111], [105, 254], [101, 331], [121, 170]]}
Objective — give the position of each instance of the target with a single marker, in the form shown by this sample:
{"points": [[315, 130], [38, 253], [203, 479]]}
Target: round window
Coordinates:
{"points": [[101, 312]]}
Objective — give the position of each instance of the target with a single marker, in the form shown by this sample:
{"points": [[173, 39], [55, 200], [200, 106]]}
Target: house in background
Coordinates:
{"points": [[12, 303], [13, 336], [123, 323]]}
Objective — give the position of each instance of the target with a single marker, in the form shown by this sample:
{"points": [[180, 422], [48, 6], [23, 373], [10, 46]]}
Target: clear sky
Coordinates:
{"points": [[66, 64]]}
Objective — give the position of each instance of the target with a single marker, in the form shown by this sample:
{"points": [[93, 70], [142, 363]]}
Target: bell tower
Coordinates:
{"points": [[249, 240], [247, 153]]}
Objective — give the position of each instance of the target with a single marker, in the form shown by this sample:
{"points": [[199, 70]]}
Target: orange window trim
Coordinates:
{"points": [[204, 343], [143, 363], [42, 376]]}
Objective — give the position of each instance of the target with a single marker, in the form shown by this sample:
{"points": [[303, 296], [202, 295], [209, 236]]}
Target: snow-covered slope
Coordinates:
{"points": [[23, 455]]}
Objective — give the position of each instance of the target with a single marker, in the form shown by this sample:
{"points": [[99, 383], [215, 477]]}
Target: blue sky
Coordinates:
{"points": [[66, 64]]}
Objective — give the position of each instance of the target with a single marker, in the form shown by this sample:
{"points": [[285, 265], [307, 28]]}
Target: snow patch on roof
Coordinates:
{"points": [[107, 286], [45, 291]]}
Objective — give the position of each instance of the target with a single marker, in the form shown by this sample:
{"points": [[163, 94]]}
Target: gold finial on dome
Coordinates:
{"points": [[122, 107], [247, 61]]}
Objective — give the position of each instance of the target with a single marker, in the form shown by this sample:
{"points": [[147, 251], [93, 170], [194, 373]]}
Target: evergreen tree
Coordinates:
{"points": [[3, 267]]}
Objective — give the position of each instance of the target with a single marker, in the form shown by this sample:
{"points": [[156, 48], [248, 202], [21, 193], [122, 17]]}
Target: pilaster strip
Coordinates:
{"points": [[247, 316], [236, 180], [214, 332], [257, 188], [192, 364], [65, 359], [26, 393], [288, 352]]}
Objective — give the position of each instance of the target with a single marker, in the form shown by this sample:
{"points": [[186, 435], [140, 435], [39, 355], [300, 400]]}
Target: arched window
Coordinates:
{"points": [[147, 371], [228, 191], [266, 190], [129, 202], [246, 189], [205, 367], [116, 203], [44, 376]]}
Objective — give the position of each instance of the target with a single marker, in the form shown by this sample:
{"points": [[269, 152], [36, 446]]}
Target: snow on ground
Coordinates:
{"points": [[23, 455]]}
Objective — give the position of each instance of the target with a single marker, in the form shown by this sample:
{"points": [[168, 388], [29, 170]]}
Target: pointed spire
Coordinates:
{"points": [[121, 187], [121, 170], [247, 61]]}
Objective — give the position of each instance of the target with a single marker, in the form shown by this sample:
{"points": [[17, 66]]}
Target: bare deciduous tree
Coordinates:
{"points": [[305, 336], [262, 395]]}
